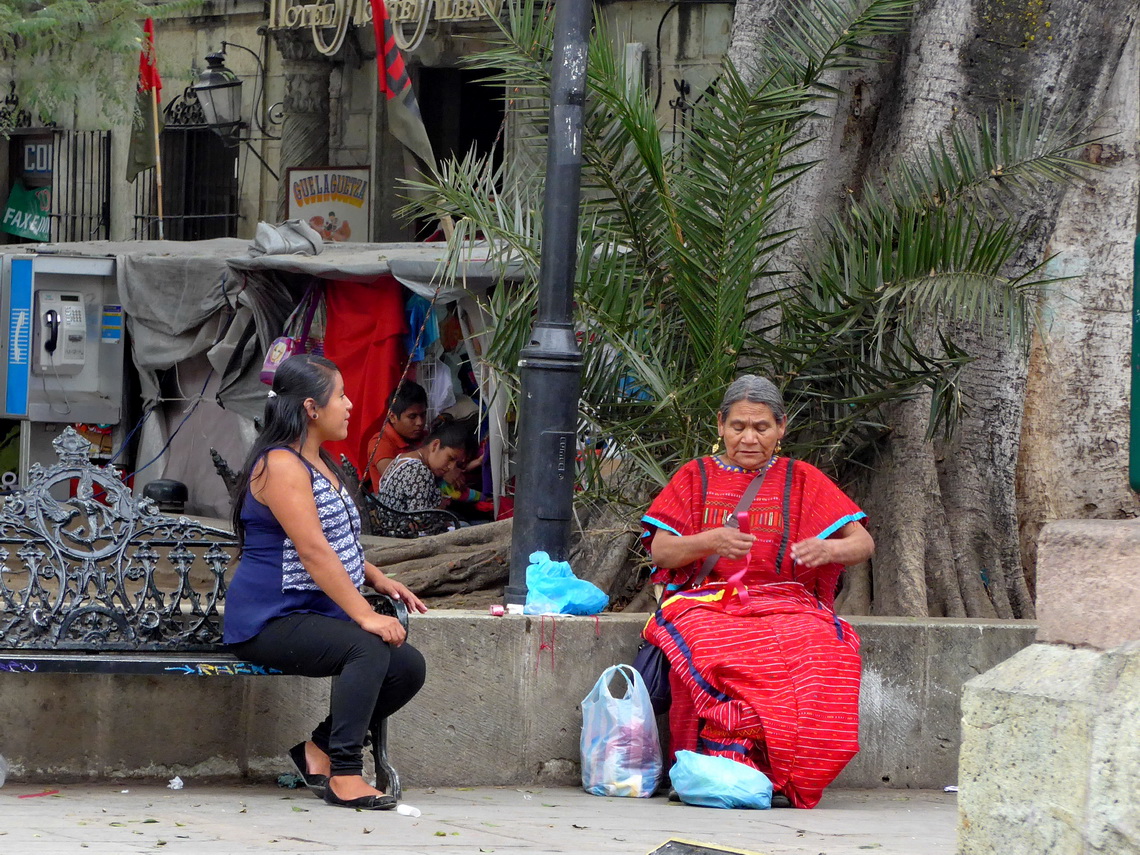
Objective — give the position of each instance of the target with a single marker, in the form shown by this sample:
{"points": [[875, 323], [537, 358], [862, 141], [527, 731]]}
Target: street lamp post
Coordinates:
{"points": [[551, 364]]}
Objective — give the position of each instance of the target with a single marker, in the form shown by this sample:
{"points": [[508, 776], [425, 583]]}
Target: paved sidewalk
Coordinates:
{"points": [[108, 819]]}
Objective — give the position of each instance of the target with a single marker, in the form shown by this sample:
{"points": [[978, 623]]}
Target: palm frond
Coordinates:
{"points": [[673, 241]]}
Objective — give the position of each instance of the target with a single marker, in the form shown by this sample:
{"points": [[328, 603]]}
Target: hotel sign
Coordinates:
{"points": [[338, 15]]}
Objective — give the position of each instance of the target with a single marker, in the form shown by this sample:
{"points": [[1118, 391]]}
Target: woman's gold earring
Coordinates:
{"points": [[777, 448]]}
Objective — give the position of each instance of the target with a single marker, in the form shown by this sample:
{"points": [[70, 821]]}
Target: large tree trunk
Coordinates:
{"points": [[945, 514], [1074, 443]]}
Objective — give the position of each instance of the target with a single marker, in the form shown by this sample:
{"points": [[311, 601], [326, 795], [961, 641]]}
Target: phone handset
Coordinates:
{"points": [[60, 334], [51, 321]]}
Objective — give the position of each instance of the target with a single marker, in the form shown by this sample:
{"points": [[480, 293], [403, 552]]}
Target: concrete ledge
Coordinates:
{"points": [[500, 706]]}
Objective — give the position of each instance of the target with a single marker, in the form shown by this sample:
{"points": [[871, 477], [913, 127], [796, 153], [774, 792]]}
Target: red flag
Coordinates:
{"points": [[404, 118], [148, 62], [141, 149]]}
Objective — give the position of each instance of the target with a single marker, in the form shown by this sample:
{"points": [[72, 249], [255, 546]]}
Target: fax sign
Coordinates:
{"points": [[38, 157]]}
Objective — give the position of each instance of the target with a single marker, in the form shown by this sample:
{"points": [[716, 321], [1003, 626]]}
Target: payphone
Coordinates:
{"points": [[61, 339]]}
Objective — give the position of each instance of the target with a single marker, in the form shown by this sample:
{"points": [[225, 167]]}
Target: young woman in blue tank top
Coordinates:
{"points": [[295, 604]]}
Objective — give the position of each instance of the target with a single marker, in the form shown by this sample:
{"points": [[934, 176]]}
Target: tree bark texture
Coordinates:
{"points": [[946, 514], [1074, 444], [464, 562]]}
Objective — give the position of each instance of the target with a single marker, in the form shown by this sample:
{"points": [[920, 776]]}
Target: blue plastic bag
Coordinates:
{"points": [[552, 588], [719, 782], [621, 751]]}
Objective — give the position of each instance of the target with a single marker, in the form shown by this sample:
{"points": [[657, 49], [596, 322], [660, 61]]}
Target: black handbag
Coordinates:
{"points": [[650, 660], [651, 663]]}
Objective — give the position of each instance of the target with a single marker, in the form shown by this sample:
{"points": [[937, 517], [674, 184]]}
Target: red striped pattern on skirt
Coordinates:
{"points": [[773, 683]]}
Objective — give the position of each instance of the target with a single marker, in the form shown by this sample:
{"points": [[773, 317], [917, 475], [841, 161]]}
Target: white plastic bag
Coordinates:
{"points": [[621, 751]]}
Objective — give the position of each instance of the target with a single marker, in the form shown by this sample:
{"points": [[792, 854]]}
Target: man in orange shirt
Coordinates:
{"points": [[406, 427]]}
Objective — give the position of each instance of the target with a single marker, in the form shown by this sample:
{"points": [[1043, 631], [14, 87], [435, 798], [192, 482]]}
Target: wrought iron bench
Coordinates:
{"points": [[95, 581]]}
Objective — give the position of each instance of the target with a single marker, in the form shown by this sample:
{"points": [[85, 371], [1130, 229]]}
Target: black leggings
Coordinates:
{"points": [[373, 678]]}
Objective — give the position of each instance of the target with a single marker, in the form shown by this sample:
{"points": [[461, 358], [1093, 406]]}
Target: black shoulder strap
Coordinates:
{"points": [[704, 479]]}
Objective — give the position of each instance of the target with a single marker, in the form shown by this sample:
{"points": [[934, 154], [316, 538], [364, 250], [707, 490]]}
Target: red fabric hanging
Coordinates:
{"points": [[365, 337]]}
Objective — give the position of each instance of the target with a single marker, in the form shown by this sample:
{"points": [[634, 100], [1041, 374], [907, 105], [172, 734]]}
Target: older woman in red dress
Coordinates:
{"points": [[762, 670]]}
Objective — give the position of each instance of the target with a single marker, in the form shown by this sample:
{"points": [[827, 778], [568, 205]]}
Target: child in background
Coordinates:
{"points": [[410, 482], [404, 430], [471, 503]]}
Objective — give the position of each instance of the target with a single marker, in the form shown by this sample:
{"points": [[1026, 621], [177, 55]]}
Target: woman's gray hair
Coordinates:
{"points": [[754, 390]]}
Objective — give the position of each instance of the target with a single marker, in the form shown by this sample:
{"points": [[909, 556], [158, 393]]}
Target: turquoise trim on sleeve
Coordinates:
{"points": [[648, 520], [839, 523]]}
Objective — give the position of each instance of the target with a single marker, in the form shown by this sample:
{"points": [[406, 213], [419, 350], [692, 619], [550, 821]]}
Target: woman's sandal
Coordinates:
{"points": [[779, 800], [317, 784], [381, 802]]}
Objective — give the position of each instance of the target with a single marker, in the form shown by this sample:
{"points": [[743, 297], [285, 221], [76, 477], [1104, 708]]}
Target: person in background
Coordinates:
{"points": [[411, 482], [294, 602], [404, 430], [459, 497]]}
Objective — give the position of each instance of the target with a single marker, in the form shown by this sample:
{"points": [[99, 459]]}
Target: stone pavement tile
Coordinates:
{"points": [[101, 819]]}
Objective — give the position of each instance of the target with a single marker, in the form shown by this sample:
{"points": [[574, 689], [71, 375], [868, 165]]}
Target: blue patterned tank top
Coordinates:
{"points": [[270, 581]]}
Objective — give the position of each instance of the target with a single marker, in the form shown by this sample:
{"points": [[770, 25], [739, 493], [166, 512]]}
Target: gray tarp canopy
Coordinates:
{"points": [[188, 303]]}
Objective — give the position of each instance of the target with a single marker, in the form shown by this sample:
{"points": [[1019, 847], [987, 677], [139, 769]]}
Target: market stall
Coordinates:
{"points": [[200, 317]]}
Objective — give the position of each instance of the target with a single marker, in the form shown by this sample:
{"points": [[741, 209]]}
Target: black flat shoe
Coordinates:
{"points": [[779, 800], [384, 802], [317, 784]]}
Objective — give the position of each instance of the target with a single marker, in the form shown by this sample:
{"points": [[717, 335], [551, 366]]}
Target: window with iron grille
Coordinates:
{"points": [[75, 165], [199, 180]]}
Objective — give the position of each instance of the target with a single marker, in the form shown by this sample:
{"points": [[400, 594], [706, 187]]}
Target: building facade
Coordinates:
{"points": [[310, 101]]}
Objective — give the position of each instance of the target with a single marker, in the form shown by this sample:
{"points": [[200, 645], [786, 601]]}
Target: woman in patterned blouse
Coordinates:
{"points": [[294, 602], [411, 482]]}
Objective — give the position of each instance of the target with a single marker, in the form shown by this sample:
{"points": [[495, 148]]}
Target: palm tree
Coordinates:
{"points": [[675, 289]]}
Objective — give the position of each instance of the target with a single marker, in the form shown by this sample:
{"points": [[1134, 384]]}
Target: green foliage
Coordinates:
{"points": [[58, 51], [674, 289]]}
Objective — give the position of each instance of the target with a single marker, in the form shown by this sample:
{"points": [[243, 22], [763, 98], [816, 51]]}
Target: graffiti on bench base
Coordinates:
{"points": [[17, 667], [202, 669]]}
